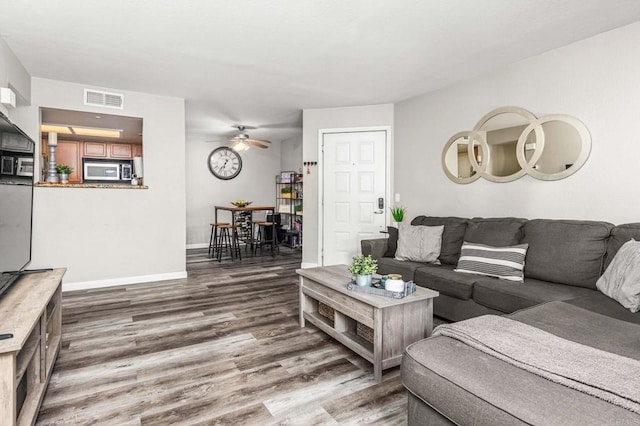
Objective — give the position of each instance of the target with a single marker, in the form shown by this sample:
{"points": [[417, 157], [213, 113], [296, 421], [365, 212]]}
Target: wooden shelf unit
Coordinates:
{"points": [[32, 311]]}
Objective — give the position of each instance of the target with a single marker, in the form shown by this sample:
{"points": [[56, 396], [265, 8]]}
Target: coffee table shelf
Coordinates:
{"points": [[396, 323]]}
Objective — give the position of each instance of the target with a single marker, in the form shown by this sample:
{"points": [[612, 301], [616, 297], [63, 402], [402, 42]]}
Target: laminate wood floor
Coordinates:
{"points": [[221, 347]]}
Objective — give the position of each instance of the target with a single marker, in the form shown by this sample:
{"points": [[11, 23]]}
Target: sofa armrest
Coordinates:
{"points": [[376, 248]]}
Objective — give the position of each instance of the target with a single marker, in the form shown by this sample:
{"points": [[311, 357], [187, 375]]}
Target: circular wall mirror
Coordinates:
{"points": [[498, 133], [457, 158], [566, 147]]}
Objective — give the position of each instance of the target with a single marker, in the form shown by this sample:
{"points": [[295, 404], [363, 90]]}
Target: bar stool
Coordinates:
{"points": [[213, 245], [228, 241], [264, 239]]}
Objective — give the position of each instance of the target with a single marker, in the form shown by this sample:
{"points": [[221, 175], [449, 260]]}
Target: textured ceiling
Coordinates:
{"points": [[260, 62]]}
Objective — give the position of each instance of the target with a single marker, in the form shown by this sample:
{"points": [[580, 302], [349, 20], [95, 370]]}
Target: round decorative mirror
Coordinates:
{"points": [[457, 158], [498, 133], [566, 147]]}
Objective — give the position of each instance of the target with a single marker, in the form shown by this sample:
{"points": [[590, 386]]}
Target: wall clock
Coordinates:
{"points": [[224, 163]]}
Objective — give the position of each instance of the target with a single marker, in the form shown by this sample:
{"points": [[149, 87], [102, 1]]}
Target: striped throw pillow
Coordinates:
{"points": [[506, 263]]}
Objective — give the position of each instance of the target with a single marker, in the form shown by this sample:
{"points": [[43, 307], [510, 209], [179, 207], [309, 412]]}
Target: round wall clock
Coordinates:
{"points": [[224, 163]]}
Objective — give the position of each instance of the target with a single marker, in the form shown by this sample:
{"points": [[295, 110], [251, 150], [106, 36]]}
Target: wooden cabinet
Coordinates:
{"points": [[120, 150], [137, 150], [95, 150], [68, 152], [32, 312]]}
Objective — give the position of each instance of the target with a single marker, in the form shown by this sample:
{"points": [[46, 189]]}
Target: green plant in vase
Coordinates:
{"points": [[64, 171], [397, 212], [363, 267]]}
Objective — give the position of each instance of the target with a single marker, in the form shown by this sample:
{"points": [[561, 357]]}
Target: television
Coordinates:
{"points": [[16, 202]]}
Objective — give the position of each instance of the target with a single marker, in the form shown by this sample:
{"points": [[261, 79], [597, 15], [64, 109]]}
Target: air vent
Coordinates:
{"points": [[104, 99]]}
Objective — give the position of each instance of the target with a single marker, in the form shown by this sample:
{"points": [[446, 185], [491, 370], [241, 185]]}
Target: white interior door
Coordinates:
{"points": [[354, 192]]}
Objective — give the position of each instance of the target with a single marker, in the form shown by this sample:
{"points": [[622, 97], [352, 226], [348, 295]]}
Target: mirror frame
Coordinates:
{"points": [[482, 169], [450, 175], [585, 150], [526, 167]]}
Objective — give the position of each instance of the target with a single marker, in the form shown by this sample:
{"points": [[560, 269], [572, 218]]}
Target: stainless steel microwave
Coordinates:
{"points": [[107, 171]]}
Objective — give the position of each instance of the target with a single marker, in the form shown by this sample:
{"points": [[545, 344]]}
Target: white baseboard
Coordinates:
{"points": [[88, 285], [307, 265], [197, 246]]}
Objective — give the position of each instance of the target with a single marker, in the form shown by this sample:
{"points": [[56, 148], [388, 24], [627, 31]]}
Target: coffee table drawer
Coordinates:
{"points": [[355, 309]]}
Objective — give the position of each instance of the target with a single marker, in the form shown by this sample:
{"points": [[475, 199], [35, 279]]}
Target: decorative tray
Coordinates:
{"points": [[409, 287]]}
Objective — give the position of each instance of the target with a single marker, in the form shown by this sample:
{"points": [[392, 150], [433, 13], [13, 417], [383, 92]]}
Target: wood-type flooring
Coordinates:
{"points": [[221, 347]]}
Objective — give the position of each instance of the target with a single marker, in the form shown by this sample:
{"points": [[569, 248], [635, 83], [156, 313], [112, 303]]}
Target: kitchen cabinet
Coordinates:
{"points": [[95, 150], [120, 150], [137, 150], [68, 152], [16, 143]]}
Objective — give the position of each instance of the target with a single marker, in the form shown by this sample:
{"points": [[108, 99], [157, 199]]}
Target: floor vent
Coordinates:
{"points": [[104, 99]]}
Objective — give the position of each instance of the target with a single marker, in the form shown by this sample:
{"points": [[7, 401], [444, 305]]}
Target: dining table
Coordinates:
{"points": [[233, 209]]}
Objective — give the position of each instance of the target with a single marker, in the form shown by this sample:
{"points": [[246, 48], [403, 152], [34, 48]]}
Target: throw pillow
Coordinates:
{"points": [[392, 241], [506, 263], [419, 243], [621, 280]]}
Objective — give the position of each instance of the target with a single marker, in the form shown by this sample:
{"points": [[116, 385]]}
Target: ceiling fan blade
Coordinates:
{"points": [[264, 141], [258, 143]]}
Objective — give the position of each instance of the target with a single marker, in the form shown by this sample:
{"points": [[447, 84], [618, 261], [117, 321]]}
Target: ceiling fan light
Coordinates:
{"points": [[240, 146]]}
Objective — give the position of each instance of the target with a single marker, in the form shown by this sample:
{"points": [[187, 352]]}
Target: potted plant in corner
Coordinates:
{"points": [[64, 171], [363, 267], [397, 212]]}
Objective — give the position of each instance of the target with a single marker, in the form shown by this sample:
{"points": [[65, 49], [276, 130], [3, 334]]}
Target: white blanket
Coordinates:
{"points": [[602, 374]]}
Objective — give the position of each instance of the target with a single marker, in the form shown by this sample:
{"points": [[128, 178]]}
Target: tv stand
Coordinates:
{"points": [[32, 312], [27, 271]]}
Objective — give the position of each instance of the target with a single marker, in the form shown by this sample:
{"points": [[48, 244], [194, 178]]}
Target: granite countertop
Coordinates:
{"points": [[89, 185]]}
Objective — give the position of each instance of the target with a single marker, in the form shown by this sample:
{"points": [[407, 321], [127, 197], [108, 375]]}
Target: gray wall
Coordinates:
{"points": [[589, 79]]}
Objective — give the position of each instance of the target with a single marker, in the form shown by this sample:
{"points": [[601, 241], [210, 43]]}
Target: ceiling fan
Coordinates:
{"points": [[242, 141]]}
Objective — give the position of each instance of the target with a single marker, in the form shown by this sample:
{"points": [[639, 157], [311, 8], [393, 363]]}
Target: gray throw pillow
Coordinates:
{"points": [[621, 280], [419, 243]]}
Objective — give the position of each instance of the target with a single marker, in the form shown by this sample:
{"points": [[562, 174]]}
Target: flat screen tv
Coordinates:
{"points": [[16, 202]]}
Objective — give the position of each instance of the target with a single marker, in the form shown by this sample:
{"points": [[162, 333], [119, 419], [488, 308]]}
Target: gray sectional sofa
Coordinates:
{"points": [[450, 382]]}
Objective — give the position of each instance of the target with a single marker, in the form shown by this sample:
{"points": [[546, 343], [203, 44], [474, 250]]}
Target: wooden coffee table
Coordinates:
{"points": [[396, 323]]}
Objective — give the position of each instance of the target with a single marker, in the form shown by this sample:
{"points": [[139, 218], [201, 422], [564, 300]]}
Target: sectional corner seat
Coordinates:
{"points": [[453, 383]]}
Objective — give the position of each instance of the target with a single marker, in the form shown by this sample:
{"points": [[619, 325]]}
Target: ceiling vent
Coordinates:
{"points": [[103, 99]]}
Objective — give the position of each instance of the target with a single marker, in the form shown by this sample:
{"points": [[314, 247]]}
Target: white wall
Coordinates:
{"points": [[595, 80], [329, 118], [15, 76], [291, 154], [256, 183], [114, 236]]}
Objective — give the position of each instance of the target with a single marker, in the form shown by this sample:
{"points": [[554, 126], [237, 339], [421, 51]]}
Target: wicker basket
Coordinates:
{"points": [[365, 332], [326, 311]]}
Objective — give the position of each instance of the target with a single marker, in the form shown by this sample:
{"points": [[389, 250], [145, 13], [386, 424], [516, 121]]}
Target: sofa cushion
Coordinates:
{"points": [[621, 280], [566, 251], [509, 297], [598, 302], [506, 263], [406, 268], [499, 232], [419, 243], [392, 241], [620, 235], [454, 229], [446, 281]]}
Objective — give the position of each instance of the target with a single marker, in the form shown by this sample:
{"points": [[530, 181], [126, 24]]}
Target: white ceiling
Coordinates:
{"points": [[260, 62]]}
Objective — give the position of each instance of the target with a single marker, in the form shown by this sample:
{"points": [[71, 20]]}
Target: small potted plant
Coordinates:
{"points": [[64, 171], [363, 267], [398, 213], [288, 192]]}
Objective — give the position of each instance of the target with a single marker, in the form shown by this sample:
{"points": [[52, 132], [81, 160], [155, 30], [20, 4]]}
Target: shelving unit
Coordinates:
{"points": [[289, 205], [32, 312]]}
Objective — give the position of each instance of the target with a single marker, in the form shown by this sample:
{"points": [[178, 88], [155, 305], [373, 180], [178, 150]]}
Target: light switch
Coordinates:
{"points": [[396, 197]]}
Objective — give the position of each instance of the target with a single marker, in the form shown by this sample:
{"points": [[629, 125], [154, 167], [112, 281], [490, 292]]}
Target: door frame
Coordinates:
{"points": [[388, 178]]}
